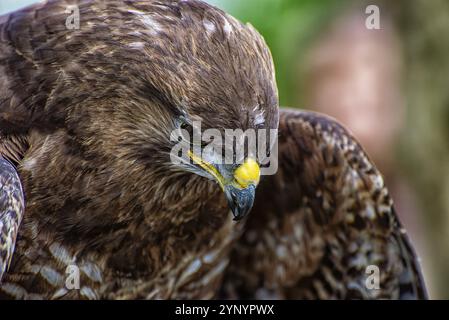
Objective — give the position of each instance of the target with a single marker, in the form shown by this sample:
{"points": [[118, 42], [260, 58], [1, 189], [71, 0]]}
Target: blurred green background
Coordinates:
{"points": [[390, 87]]}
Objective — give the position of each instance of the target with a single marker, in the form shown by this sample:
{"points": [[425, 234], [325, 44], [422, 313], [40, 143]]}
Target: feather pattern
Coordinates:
{"points": [[11, 212], [321, 222], [85, 120]]}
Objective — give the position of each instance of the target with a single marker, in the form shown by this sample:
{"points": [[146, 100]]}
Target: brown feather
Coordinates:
{"points": [[320, 222], [86, 116]]}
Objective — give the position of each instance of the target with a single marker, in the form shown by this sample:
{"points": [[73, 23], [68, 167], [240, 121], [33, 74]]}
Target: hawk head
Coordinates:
{"points": [[168, 66]]}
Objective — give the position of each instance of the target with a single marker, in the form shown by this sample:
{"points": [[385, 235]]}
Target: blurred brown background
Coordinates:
{"points": [[390, 87]]}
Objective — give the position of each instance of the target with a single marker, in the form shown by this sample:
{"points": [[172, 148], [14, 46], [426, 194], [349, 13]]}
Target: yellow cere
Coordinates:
{"points": [[247, 173]]}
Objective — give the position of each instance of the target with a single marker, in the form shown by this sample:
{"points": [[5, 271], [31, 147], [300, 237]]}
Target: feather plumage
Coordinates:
{"points": [[321, 221], [11, 212], [86, 116]]}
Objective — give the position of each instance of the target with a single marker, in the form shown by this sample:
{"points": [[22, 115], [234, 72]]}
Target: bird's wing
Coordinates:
{"points": [[26, 83], [324, 225], [32, 58], [11, 212]]}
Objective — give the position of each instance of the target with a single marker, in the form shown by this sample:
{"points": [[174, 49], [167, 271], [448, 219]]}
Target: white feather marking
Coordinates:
{"points": [[92, 271], [152, 24], [227, 28], [52, 276], [259, 118], [215, 272], [193, 267], [88, 293], [28, 164], [61, 254], [59, 293], [378, 182], [370, 212], [281, 251], [211, 256], [14, 290], [136, 12], [209, 26], [137, 45], [148, 21]]}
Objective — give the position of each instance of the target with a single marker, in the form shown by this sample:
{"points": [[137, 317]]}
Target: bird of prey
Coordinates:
{"points": [[86, 116]]}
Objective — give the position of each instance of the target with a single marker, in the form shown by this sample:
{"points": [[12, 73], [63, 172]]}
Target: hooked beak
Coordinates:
{"points": [[240, 200], [240, 189]]}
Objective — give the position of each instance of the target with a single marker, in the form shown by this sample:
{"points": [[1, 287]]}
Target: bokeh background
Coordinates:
{"points": [[390, 87]]}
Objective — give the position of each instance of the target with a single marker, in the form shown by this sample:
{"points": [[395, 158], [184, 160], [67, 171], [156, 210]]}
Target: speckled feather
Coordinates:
{"points": [[320, 222], [85, 117], [11, 212]]}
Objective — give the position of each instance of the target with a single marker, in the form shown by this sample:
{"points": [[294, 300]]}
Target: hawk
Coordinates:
{"points": [[86, 116]]}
